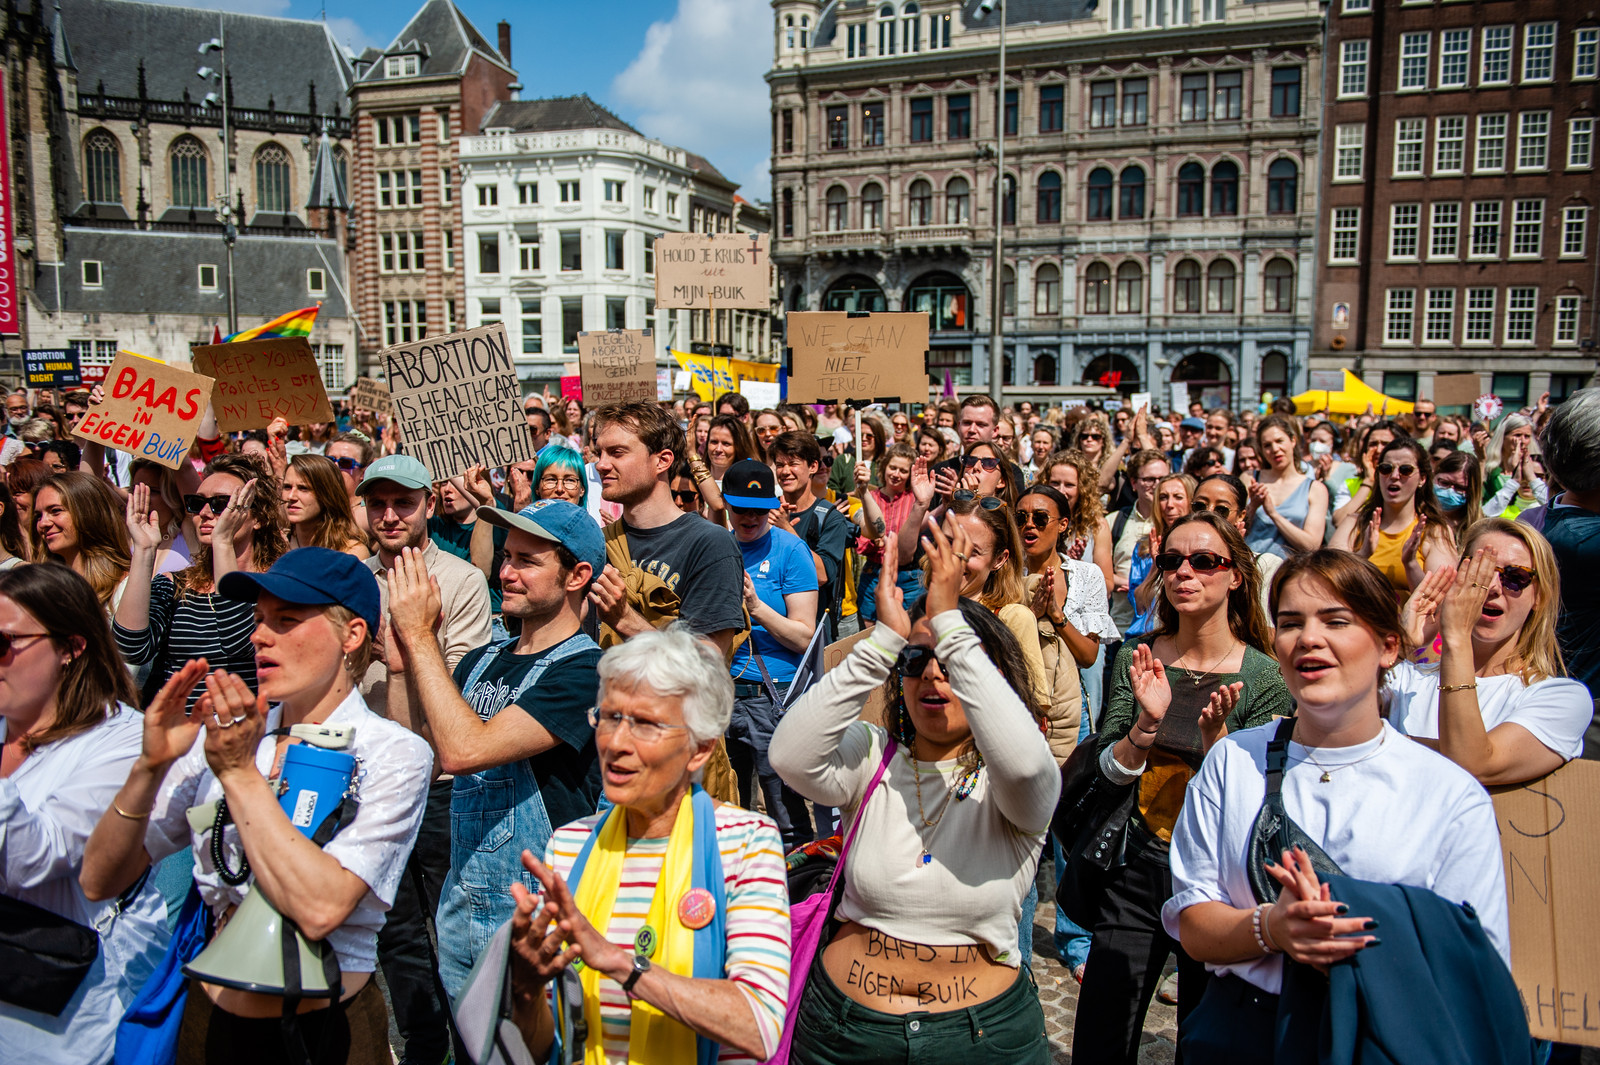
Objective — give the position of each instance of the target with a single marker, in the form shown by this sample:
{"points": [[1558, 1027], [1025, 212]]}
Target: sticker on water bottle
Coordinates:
{"points": [[305, 806]]}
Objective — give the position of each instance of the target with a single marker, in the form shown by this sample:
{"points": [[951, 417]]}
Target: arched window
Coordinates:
{"points": [[1099, 200], [102, 168], [1191, 190], [1097, 289], [886, 37], [1283, 187], [872, 206], [943, 296], [1275, 373], [272, 180], [1132, 205], [910, 29], [1225, 189], [1049, 192], [190, 169], [957, 202], [805, 32], [1047, 290], [1278, 279], [1130, 289], [1219, 287], [1008, 290], [1044, 370], [1008, 207], [1186, 288], [919, 204], [837, 206], [854, 292]]}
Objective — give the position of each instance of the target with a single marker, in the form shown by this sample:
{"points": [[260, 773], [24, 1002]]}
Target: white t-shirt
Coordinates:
{"points": [[1403, 815], [1556, 710]]}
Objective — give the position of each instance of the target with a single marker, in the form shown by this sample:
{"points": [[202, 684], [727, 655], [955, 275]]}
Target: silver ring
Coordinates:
{"points": [[240, 718], [220, 724]]}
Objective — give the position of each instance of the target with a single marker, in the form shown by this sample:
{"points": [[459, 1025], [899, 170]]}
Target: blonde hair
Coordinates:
{"points": [[1537, 646], [1088, 510], [1158, 526]]}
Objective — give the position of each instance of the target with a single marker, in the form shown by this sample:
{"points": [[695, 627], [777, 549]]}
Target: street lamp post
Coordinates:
{"points": [[997, 363], [225, 211]]}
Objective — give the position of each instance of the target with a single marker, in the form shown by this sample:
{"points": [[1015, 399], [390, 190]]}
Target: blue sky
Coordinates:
{"points": [[686, 71]]}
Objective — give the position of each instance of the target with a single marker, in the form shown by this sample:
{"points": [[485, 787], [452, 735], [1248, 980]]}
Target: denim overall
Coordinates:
{"points": [[495, 815]]}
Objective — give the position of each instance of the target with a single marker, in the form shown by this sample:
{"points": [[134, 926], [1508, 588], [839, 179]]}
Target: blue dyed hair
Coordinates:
{"points": [[562, 458]]}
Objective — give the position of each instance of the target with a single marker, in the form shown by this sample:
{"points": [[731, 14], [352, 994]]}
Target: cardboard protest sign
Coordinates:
{"points": [[1456, 389], [151, 410], [876, 708], [259, 381], [371, 395], [458, 402], [705, 271], [1550, 843], [835, 356], [617, 366], [51, 368]]}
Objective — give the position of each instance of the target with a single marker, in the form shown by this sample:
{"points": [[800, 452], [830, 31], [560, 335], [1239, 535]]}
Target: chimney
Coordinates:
{"points": [[505, 40]]}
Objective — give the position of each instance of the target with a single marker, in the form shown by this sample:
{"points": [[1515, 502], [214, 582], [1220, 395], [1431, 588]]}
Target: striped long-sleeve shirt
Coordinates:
{"points": [[196, 625], [757, 918]]}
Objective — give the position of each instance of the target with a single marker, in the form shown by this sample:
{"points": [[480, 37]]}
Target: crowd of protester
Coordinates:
{"points": [[592, 724]]}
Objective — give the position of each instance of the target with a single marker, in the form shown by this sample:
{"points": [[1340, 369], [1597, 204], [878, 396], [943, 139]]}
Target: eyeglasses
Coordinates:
{"points": [[690, 496], [1091, 436], [607, 721], [987, 502], [914, 661], [555, 481], [1514, 578], [1221, 510], [348, 465], [1200, 561], [8, 640], [198, 504], [989, 464], [1405, 469]]}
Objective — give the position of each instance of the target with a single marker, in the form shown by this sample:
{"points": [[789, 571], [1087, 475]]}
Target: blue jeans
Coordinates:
{"points": [[1092, 686], [1071, 941]]}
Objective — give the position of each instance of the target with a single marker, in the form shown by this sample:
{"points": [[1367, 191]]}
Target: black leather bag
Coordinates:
{"points": [[43, 956], [1091, 828], [1275, 831]]}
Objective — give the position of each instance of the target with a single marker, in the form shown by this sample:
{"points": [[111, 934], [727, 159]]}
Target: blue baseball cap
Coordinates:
{"points": [[401, 469], [559, 522], [312, 576], [750, 485], [1192, 423]]}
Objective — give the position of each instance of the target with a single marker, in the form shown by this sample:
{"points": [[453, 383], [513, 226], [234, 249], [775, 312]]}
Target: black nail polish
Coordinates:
{"points": [[1342, 910], [1369, 926], [1374, 942]]}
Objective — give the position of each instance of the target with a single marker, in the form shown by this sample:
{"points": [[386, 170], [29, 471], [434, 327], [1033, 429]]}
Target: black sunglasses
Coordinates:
{"points": [[1037, 518], [987, 502], [686, 497], [9, 639], [1405, 468], [1091, 436], [196, 504], [1200, 561], [989, 464], [914, 660], [1221, 510], [348, 465]]}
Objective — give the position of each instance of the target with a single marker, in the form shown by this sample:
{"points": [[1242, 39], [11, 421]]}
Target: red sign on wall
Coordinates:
{"points": [[10, 294]]}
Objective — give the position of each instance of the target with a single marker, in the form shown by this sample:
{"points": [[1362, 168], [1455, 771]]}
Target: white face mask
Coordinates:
{"points": [[1319, 449]]}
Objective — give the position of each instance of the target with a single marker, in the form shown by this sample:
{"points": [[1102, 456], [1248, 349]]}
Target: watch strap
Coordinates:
{"points": [[641, 965]]}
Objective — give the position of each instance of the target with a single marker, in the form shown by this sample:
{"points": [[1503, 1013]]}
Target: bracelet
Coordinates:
{"points": [[1258, 928], [131, 817], [1136, 747], [1458, 687]]}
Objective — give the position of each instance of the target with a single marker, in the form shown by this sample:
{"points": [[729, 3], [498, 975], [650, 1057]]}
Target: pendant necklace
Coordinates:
{"points": [[964, 783], [1198, 677], [1326, 771]]}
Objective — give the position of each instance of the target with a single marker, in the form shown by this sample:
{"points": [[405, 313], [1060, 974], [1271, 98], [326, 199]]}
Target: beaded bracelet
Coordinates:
{"points": [[1458, 687], [1258, 929]]}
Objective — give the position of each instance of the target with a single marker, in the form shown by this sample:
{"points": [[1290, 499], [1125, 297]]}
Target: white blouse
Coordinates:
{"points": [[395, 766], [48, 808]]}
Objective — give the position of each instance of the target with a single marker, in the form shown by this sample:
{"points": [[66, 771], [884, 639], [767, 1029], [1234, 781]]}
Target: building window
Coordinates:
{"points": [[400, 66], [1008, 292], [958, 111], [1278, 286], [488, 195], [532, 327], [571, 323], [617, 312], [1345, 244], [405, 128], [1131, 205], [1449, 144], [272, 180], [1414, 60], [488, 255], [1399, 315], [1225, 189], [938, 31], [400, 252], [190, 169], [872, 206], [872, 125], [1357, 7], [1567, 320], [788, 130], [1010, 119], [649, 255], [788, 212], [1527, 229], [886, 34], [1047, 289], [316, 282], [330, 361], [1439, 318], [1455, 57], [1103, 104], [1191, 190], [1349, 147], [1051, 108], [1130, 288], [1491, 144], [957, 202], [1538, 51], [102, 168], [207, 277], [1522, 308], [1285, 92], [1229, 95], [1099, 200], [1478, 327], [528, 193], [1192, 97], [1220, 278], [911, 30], [1574, 231], [1409, 137], [1495, 65], [449, 251], [1008, 201], [1186, 287], [1097, 289], [1283, 187], [1405, 221], [615, 238], [1580, 143], [1135, 101], [1444, 230], [94, 352], [571, 249], [1353, 68], [399, 188], [672, 205], [1485, 229], [922, 120], [1533, 140], [838, 119], [569, 190], [919, 203], [403, 321], [1049, 197], [1585, 45], [836, 209]]}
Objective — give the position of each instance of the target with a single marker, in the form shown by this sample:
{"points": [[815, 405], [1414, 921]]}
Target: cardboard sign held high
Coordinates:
{"points": [[835, 356], [260, 381], [706, 271], [617, 366], [371, 395], [458, 402], [151, 410]]}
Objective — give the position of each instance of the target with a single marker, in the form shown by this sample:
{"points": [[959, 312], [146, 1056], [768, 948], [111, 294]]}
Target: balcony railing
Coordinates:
{"points": [[192, 113], [932, 235]]}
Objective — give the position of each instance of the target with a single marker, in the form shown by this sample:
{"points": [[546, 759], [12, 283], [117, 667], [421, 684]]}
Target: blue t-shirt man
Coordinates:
{"points": [[779, 564]]}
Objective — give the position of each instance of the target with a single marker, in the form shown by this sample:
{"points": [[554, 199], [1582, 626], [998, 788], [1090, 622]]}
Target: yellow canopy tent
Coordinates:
{"points": [[1353, 399]]}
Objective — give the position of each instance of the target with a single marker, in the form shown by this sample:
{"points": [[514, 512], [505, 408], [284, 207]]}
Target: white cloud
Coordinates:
{"points": [[697, 83], [349, 34]]}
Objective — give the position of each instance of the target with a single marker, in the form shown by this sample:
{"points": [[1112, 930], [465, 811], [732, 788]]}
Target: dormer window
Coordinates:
{"points": [[401, 66]]}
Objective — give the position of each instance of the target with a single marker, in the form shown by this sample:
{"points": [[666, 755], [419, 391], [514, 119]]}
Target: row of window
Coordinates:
{"points": [[616, 242], [1429, 317], [92, 275], [613, 190], [403, 129], [190, 168], [330, 358], [1486, 223], [1195, 290], [1450, 65], [1491, 150]]}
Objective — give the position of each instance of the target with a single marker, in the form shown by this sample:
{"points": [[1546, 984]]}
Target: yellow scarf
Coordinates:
{"points": [[653, 1037]]}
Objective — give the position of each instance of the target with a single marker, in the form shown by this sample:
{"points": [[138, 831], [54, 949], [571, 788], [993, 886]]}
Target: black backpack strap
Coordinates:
{"points": [[1278, 755], [1119, 524]]}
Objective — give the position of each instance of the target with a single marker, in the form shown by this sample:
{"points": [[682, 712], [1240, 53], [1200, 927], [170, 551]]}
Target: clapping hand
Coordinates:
{"points": [[1374, 532], [236, 514], [889, 598], [947, 566], [1050, 597], [144, 526], [1420, 616], [947, 480], [1214, 717], [921, 483], [1305, 922], [169, 730], [1461, 605], [1148, 678], [235, 720], [1261, 498]]}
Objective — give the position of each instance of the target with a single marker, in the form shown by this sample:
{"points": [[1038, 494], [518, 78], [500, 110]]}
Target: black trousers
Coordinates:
{"points": [[405, 948], [1235, 1023], [1126, 959]]}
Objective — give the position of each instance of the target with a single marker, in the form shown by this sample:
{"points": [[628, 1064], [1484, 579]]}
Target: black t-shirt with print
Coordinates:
{"points": [[700, 562]]}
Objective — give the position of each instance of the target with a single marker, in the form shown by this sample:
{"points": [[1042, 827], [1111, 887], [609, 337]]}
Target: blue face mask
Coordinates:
{"points": [[1449, 497]]}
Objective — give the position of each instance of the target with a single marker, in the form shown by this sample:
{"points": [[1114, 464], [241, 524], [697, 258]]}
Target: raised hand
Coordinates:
{"points": [[1076, 549], [921, 483], [1374, 532], [235, 721], [1410, 551], [1148, 678], [1462, 604], [415, 604], [1420, 615], [236, 514], [144, 527], [889, 598], [478, 486], [1214, 716], [946, 481], [947, 566], [863, 475], [169, 730]]}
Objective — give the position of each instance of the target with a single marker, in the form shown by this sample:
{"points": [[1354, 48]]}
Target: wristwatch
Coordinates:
{"points": [[641, 965]]}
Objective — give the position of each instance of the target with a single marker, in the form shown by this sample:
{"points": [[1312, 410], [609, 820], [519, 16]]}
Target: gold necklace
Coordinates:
{"points": [[958, 790], [1325, 778], [1198, 677]]}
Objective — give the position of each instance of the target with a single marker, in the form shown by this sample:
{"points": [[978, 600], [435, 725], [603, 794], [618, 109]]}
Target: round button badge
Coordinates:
{"points": [[696, 908]]}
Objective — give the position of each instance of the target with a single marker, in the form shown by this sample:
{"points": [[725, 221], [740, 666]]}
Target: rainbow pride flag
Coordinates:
{"points": [[294, 324]]}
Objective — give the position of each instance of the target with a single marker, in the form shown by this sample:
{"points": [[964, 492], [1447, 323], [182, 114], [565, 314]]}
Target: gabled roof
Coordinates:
{"points": [[276, 59], [443, 40], [553, 114], [703, 169]]}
